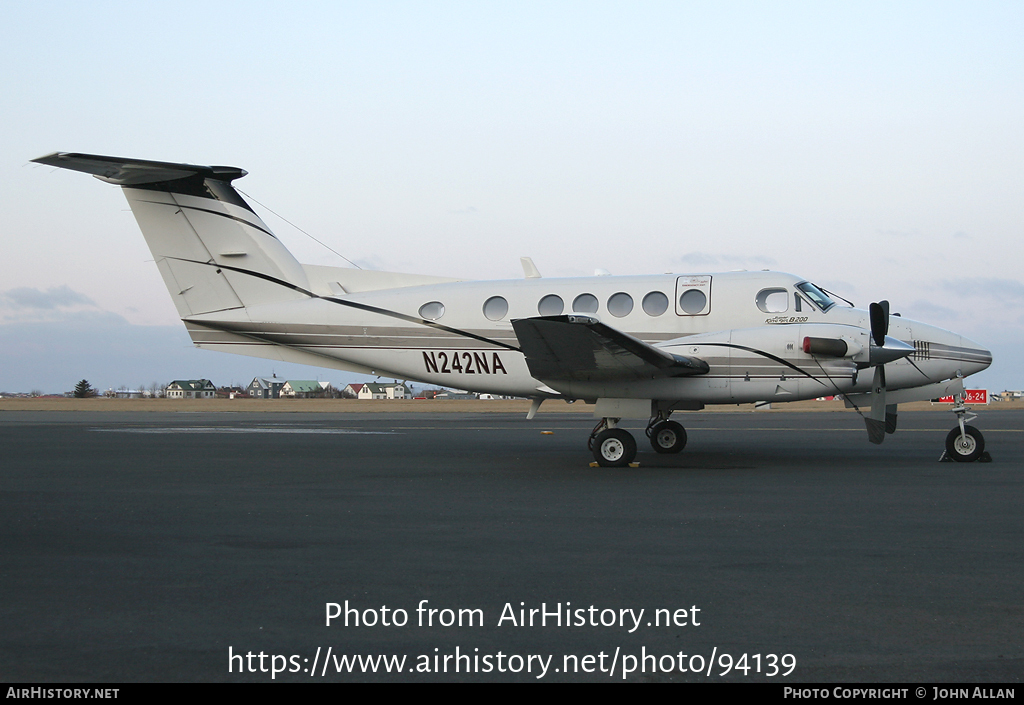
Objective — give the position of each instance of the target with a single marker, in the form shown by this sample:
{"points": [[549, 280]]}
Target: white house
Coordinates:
{"points": [[304, 388], [375, 390], [191, 389]]}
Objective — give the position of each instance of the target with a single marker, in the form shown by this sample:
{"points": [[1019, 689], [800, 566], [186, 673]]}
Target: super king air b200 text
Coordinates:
{"points": [[636, 347]]}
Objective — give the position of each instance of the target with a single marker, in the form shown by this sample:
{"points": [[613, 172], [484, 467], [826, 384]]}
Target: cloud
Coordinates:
{"points": [[1003, 290], [704, 259], [897, 234], [922, 310], [55, 297], [471, 210]]}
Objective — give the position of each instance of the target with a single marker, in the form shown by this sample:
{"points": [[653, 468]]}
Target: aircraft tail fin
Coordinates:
{"points": [[212, 250]]}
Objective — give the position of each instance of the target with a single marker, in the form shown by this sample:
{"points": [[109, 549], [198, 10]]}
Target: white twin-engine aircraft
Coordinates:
{"points": [[635, 346]]}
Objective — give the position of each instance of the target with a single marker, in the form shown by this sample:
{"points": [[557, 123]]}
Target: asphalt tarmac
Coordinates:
{"points": [[156, 547]]}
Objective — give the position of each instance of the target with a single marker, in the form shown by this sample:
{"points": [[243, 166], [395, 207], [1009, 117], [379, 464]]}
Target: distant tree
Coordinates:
{"points": [[36, 393], [83, 390]]}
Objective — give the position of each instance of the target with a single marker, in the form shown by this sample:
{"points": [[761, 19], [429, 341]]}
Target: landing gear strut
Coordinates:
{"points": [[964, 443]]}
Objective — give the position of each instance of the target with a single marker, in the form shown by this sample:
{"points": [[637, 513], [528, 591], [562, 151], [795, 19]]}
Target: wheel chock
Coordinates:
{"points": [[595, 465], [985, 457], [634, 465]]}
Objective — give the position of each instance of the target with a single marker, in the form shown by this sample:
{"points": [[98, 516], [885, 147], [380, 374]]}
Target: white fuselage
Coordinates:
{"points": [[751, 340]]}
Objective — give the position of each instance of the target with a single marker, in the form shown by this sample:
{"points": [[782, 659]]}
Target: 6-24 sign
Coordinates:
{"points": [[973, 396]]}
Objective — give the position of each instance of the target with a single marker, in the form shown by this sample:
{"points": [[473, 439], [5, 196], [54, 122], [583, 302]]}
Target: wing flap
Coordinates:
{"points": [[582, 349]]}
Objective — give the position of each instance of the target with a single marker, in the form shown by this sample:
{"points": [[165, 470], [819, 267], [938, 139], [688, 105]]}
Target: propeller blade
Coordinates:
{"points": [[875, 420], [879, 321], [890, 418]]}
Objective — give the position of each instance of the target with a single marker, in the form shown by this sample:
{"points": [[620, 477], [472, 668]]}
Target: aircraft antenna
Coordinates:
{"points": [[298, 228]]}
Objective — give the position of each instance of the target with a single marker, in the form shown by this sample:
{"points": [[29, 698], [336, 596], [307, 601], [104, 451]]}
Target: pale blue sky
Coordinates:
{"points": [[875, 148]]}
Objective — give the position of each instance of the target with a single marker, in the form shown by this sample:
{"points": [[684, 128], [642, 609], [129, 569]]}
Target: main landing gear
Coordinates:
{"points": [[964, 444], [615, 447]]}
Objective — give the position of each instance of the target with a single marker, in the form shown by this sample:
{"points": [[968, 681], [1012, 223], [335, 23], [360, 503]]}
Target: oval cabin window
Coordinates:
{"points": [[550, 305], [655, 303], [693, 301], [495, 308], [432, 311], [620, 304], [585, 303]]}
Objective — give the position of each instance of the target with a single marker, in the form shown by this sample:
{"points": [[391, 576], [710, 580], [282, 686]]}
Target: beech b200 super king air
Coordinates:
{"points": [[635, 346]]}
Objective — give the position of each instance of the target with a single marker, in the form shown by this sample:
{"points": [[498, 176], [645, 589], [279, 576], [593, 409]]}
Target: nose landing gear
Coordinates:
{"points": [[964, 444]]}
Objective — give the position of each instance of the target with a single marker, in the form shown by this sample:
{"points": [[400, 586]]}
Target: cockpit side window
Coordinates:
{"points": [[774, 300], [816, 295]]}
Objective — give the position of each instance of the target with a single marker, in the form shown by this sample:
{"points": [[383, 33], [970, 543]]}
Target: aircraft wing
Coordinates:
{"points": [[580, 348]]}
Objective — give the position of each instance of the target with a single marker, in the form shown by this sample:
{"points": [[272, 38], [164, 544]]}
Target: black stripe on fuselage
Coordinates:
{"points": [[769, 356], [353, 304]]}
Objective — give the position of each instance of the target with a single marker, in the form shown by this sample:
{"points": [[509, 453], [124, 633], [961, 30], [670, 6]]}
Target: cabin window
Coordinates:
{"points": [[655, 303], [620, 304], [693, 295], [495, 308], [550, 305], [772, 300], [585, 303], [432, 311], [693, 301]]}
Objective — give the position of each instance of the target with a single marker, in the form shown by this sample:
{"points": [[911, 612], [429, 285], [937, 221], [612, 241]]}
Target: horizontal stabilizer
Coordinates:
{"points": [[133, 172], [581, 348]]}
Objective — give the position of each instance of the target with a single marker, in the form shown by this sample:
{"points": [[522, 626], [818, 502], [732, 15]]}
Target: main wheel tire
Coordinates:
{"points": [[668, 437], [614, 448], [966, 447]]}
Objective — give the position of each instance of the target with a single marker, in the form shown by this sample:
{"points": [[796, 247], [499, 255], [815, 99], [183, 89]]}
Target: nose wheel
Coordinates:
{"points": [[964, 444]]}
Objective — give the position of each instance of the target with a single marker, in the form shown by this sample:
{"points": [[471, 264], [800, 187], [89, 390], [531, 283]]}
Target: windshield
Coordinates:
{"points": [[820, 299]]}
